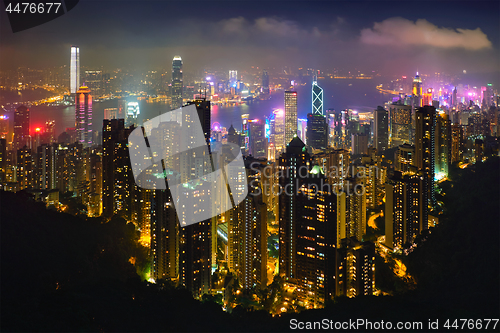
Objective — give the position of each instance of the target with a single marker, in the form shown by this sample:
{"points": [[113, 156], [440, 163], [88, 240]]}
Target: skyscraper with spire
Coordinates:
{"points": [[317, 97]]}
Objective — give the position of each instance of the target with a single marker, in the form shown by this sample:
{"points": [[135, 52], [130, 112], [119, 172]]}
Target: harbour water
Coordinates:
{"points": [[360, 95]]}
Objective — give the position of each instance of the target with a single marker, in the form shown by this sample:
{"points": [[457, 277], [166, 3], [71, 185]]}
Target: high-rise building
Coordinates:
{"points": [[21, 128], [399, 124], [316, 240], [405, 208], [317, 98], [457, 148], [404, 159], [290, 116], [93, 80], [359, 144], [45, 167], [292, 162], [355, 268], [278, 130], [381, 128], [425, 121], [117, 178], [442, 145], [177, 83], [417, 91], [83, 116], [50, 132], [317, 131], [265, 82], [258, 140], [25, 168], [74, 74]]}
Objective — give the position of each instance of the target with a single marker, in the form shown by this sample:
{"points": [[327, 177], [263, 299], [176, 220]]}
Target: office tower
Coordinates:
{"points": [[425, 121], [133, 112], [317, 97], [177, 83], [381, 127], [83, 116], [195, 241], [417, 91], [454, 100], [293, 163], [316, 240], [21, 128], [404, 159], [93, 80], [69, 166], [117, 178], [278, 130], [233, 80], [359, 144], [399, 124], [74, 74], [290, 116], [164, 236], [317, 131], [25, 173], [4, 128], [355, 268], [457, 148], [405, 208], [334, 119], [233, 136], [45, 167], [442, 145], [250, 233], [50, 132], [258, 140], [265, 82]]}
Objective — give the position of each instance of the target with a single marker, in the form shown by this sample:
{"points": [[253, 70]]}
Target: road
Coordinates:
{"points": [[371, 220]]}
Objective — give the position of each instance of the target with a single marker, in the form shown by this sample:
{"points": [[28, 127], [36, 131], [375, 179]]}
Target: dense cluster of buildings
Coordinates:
{"points": [[313, 180]]}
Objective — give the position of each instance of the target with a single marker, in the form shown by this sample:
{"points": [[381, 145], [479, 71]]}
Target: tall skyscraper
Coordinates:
{"points": [[177, 83], [21, 128], [278, 130], [381, 128], [425, 121], [317, 131], [443, 145], [417, 91], [359, 144], [290, 116], [117, 178], [292, 162], [399, 124], [265, 82], [258, 140], [457, 133], [404, 159], [74, 74], [83, 116], [317, 97], [93, 80]]}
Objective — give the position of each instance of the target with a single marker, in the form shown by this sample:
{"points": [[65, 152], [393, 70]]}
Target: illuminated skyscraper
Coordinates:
{"points": [[292, 162], [404, 159], [74, 81], [177, 83], [265, 82], [399, 124], [83, 116], [93, 80], [117, 178], [317, 131], [317, 98], [457, 133], [21, 128], [290, 116], [425, 120], [381, 129], [405, 208], [258, 140], [443, 145], [417, 91], [278, 130], [25, 168]]}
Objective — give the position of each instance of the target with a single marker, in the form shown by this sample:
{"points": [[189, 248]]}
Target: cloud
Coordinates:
{"points": [[400, 31]]}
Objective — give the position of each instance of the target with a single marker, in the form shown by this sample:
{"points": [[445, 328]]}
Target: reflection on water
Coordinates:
{"points": [[360, 95]]}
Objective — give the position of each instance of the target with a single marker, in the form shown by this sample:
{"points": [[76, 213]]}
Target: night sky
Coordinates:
{"points": [[376, 35]]}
